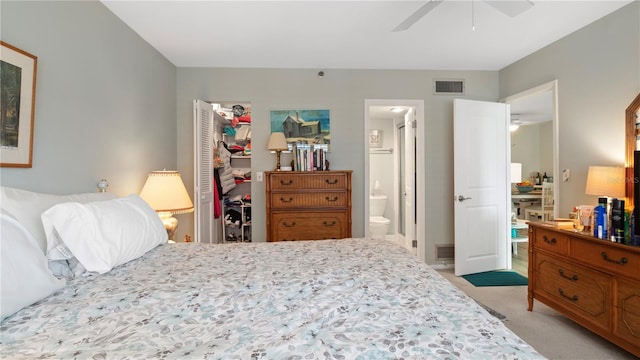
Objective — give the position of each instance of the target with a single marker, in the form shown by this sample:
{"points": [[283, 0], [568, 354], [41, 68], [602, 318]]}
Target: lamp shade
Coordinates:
{"points": [[606, 181], [277, 142], [164, 191], [516, 173]]}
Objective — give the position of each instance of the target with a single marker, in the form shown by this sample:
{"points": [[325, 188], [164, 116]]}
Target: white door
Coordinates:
{"points": [[203, 167], [409, 179], [481, 158]]}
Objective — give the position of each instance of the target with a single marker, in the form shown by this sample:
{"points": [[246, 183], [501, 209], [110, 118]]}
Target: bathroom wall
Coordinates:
{"points": [[382, 168]]}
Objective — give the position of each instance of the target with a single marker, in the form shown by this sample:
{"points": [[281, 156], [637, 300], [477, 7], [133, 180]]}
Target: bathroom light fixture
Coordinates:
{"points": [[397, 109], [164, 191], [320, 74]]}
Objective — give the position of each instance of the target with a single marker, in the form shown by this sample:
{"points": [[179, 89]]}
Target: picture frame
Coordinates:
{"points": [[375, 138], [18, 97], [308, 126]]}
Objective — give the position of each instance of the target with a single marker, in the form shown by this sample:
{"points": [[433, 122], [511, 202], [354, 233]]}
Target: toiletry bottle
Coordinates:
{"points": [[617, 220], [627, 226], [600, 216], [545, 178]]}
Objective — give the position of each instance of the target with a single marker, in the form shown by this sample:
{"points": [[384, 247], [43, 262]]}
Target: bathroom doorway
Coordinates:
{"points": [[394, 154]]}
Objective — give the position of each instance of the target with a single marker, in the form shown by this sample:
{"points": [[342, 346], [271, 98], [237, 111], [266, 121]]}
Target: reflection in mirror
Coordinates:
{"points": [[632, 129]]}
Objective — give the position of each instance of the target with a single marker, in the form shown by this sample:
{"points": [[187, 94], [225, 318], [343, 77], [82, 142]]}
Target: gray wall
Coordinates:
{"points": [[105, 99], [107, 105], [343, 92], [598, 72], [532, 146]]}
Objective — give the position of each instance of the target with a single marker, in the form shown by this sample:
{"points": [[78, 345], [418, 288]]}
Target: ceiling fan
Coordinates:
{"points": [[510, 8]]}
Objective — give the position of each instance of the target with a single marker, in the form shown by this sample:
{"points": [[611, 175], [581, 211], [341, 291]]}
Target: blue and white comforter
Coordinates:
{"points": [[330, 299]]}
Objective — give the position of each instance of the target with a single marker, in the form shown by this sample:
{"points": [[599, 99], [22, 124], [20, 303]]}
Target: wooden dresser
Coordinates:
{"points": [[594, 282], [308, 205]]}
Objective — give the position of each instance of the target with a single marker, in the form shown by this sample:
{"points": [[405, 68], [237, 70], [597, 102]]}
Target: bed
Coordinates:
{"points": [[336, 299]]}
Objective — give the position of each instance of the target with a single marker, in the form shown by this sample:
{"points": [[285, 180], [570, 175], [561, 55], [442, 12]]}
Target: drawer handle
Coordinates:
{"points": [[335, 198], [622, 261], [330, 182], [553, 241], [288, 225], [289, 182], [288, 240], [285, 200], [572, 278], [572, 298], [325, 223]]}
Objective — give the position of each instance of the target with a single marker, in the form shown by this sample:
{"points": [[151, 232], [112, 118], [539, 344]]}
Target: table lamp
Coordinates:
{"points": [[606, 181], [516, 173], [164, 191], [277, 143]]}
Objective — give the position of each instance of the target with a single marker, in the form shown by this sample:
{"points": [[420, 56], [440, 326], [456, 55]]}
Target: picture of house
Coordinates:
{"points": [[309, 126]]}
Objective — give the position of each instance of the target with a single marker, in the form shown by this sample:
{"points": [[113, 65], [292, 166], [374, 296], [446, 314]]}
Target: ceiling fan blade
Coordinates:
{"points": [[511, 8], [417, 15]]}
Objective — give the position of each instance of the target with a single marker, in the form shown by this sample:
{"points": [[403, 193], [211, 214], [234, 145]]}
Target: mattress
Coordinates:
{"points": [[336, 299]]}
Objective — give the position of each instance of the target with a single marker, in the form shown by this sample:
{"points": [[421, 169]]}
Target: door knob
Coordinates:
{"points": [[462, 198]]}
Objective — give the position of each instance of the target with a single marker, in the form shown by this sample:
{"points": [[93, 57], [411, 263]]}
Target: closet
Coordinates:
{"points": [[222, 171]]}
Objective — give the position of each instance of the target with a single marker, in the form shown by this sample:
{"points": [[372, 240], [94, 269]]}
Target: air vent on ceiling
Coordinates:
{"points": [[444, 252], [448, 87]]}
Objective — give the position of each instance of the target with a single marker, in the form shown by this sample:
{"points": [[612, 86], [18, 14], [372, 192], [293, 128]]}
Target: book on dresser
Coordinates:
{"points": [[594, 282], [308, 205]]}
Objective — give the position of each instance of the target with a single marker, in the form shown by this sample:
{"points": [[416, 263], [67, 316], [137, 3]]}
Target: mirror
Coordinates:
{"points": [[632, 137]]}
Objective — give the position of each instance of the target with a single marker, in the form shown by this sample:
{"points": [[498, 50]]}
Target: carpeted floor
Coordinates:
{"points": [[496, 278]]}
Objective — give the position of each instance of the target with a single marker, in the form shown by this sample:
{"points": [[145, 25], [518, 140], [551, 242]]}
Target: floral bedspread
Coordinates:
{"points": [[330, 299]]}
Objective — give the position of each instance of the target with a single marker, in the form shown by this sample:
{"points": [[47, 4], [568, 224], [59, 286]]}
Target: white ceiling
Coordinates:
{"points": [[351, 34]]}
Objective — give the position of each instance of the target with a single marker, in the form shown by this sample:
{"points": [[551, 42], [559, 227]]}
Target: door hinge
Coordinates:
{"points": [[414, 123], [414, 244]]}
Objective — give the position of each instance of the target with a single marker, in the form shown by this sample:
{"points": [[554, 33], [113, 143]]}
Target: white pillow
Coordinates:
{"points": [[102, 234], [27, 206], [24, 276]]}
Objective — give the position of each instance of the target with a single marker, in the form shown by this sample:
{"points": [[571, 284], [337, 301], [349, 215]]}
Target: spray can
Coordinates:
{"points": [[617, 220]]}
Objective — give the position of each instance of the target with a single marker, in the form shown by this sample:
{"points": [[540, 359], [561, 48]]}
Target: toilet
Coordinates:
{"points": [[378, 225]]}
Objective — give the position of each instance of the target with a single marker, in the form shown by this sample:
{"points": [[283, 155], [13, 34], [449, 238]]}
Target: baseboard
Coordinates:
{"points": [[442, 266]]}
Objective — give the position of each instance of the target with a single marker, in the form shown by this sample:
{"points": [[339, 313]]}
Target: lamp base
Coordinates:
{"points": [[170, 223], [278, 160]]}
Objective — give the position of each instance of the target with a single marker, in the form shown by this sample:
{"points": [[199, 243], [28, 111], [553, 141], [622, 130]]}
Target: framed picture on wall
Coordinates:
{"points": [[308, 126], [18, 99], [375, 138]]}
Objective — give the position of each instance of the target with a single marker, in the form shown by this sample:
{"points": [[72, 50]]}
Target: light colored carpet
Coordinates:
{"points": [[549, 332]]}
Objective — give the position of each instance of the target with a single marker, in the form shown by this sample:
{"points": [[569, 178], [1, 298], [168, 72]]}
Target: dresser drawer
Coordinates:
{"points": [[551, 241], [309, 226], [309, 181], [628, 311], [583, 291], [609, 258], [285, 200]]}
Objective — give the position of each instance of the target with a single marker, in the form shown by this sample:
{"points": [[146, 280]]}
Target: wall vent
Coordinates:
{"points": [[444, 252], [448, 87]]}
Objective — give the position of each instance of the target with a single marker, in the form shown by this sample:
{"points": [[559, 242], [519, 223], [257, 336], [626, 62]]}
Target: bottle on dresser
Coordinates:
{"points": [[600, 218], [617, 220]]}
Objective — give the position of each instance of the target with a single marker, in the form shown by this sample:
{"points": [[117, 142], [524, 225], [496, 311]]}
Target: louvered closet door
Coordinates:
{"points": [[203, 166]]}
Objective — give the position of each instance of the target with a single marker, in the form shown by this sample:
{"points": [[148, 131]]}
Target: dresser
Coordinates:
{"points": [[594, 282], [308, 205]]}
